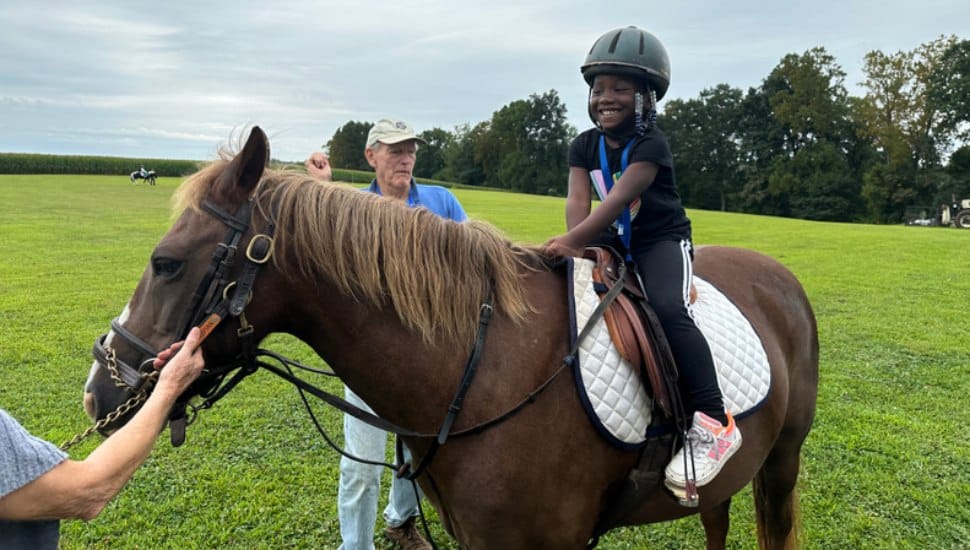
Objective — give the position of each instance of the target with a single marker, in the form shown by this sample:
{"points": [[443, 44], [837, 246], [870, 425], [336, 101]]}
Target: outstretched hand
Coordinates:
{"points": [[181, 363]]}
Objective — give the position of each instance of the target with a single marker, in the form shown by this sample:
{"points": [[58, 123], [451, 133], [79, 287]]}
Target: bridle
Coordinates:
{"points": [[215, 299]]}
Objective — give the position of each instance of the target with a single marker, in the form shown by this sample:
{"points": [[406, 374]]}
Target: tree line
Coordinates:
{"points": [[797, 145]]}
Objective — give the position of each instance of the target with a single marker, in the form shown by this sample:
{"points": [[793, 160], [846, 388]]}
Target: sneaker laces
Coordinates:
{"points": [[701, 441]]}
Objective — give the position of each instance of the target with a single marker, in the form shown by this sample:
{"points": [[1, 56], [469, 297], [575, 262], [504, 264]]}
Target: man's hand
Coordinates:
{"points": [[318, 166]]}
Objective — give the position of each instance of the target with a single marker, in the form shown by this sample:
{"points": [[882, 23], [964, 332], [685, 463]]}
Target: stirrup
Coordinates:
{"points": [[686, 496]]}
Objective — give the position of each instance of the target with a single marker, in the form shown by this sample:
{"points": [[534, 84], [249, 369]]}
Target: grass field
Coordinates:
{"points": [[886, 465]]}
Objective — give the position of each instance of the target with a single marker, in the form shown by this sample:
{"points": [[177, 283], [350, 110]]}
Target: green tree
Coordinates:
{"points": [[904, 115], [810, 175], [958, 175], [705, 141], [762, 140], [526, 145], [808, 98], [816, 182], [949, 88], [347, 146], [461, 164], [431, 156]]}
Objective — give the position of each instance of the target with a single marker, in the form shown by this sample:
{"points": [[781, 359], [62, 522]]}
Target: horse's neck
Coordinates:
{"points": [[385, 363]]}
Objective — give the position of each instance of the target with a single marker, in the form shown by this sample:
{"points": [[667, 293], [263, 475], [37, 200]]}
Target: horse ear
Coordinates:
{"points": [[245, 170]]}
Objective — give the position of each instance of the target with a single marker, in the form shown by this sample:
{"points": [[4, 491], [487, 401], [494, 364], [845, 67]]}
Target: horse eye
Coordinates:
{"points": [[166, 267]]}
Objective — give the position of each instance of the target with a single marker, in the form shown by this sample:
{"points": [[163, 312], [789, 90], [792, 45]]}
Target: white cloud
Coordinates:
{"points": [[154, 79]]}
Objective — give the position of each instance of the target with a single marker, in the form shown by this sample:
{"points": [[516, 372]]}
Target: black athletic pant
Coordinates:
{"points": [[665, 269]]}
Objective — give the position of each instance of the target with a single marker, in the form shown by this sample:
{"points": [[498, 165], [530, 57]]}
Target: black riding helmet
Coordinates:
{"points": [[629, 52]]}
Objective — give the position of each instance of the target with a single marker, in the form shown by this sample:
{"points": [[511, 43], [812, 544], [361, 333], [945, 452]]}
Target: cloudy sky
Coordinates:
{"points": [[178, 79]]}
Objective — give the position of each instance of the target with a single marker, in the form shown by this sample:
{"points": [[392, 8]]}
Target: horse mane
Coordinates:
{"points": [[434, 272]]}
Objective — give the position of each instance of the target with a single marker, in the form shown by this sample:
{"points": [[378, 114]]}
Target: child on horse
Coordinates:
{"points": [[628, 161]]}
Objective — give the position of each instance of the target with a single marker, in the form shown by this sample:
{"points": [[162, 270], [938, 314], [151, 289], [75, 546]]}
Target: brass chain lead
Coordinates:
{"points": [[135, 400]]}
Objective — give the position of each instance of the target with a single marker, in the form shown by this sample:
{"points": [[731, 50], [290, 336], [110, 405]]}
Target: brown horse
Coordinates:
{"points": [[390, 298]]}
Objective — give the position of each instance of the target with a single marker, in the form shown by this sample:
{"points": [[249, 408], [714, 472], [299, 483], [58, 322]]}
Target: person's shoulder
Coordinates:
{"points": [[441, 201], [656, 133], [582, 145], [653, 133], [5, 418], [654, 138], [432, 189], [587, 135]]}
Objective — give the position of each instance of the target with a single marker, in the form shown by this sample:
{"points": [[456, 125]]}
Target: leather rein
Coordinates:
{"points": [[216, 298]]}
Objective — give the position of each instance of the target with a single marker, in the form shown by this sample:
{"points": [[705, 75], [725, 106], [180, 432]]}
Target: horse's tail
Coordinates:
{"points": [[770, 511]]}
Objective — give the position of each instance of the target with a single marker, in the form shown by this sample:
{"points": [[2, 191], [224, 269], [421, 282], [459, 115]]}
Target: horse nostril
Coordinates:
{"points": [[89, 405]]}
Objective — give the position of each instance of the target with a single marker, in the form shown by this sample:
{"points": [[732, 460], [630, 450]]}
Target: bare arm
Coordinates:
{"points": [[578, 199], [637, 177], [81, 489]]}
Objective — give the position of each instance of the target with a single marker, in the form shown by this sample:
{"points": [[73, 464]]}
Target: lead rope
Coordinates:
{"points": [[148, 380]]}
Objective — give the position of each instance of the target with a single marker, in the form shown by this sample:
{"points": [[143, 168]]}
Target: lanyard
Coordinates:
{"points": [[623, 221]]}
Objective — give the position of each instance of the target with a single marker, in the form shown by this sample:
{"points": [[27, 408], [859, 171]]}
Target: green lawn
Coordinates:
{"points": [[886, 465]]}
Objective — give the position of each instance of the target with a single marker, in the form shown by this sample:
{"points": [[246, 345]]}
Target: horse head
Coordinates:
{"points": [[197, 274]]}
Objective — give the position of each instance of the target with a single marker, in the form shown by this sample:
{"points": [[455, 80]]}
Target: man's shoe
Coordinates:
{"points": [[407, 536], [712, 445]]}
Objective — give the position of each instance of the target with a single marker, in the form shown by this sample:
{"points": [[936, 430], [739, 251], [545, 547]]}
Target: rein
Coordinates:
{"points": [[214, 300], [441, 436]]}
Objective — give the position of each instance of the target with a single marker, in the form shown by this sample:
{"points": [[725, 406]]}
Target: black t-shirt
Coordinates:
{"points": [[661, 215]]}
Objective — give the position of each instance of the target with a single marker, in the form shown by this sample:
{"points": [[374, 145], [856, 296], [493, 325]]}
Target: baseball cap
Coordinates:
{"points": [[391, 131]]}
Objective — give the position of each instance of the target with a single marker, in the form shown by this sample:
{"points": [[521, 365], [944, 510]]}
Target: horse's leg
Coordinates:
{"points": [[775, 498], [716, 522]]}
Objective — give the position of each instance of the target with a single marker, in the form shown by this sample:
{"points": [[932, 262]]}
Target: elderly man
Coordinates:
{"points": [[391, 150]]}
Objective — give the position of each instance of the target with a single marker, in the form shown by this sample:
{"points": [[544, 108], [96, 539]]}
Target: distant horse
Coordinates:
{"points": [[390, 297], [149, 176]]}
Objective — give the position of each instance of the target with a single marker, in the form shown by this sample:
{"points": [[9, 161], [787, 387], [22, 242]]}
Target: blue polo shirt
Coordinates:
{"points": [[433, 197]]}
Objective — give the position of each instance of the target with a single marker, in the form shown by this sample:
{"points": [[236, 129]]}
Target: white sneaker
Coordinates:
{"points": [[712, 445]]}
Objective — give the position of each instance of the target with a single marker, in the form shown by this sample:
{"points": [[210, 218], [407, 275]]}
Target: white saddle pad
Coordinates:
{"points": [[613, 395]]}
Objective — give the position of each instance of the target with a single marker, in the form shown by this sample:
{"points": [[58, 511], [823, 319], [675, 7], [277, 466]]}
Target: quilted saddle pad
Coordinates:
{"points": [[616, 401]]}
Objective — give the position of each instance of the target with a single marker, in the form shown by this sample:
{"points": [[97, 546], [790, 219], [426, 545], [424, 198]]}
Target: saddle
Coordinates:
{"points": [[635, 328], [639, 338]]}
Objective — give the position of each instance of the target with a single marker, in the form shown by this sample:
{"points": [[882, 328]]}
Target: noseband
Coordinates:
{"points": [[215, 298]]}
